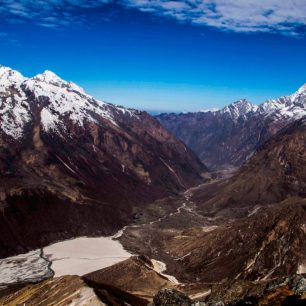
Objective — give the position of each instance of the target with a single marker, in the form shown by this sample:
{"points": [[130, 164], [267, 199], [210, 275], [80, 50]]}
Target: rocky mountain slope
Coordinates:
{"points": [[280, 292], [276, 172], [250, 227], [269, 194], [136, 276], [259, 215], [67, 290], [71, 165], [228, 137]]}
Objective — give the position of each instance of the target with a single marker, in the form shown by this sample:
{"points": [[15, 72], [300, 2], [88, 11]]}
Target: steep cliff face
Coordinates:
{"points": [[228, 137], [71, 165]]}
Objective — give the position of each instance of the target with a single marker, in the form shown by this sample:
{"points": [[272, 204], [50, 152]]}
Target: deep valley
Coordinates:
{"points": [[102, 205]]}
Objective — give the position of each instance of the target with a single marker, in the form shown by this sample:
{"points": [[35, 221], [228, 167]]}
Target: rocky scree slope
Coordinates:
{"points": [[71, 165]]}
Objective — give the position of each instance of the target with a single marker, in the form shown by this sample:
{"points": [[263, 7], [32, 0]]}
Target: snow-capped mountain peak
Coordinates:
{"points": [[244, 106], [239, 108], [57, 102], [292, 106], [299, 97], [9, 77], [50, 77], [302, 89]]}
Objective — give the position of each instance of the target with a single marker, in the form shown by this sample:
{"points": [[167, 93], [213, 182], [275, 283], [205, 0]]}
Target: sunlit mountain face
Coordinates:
{"points": [[152, 152]]}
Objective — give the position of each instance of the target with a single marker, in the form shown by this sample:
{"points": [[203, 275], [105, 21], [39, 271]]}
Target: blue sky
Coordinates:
{"points": [[161, 55]]}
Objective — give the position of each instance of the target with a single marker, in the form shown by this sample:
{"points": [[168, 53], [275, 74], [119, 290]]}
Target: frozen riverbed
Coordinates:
{"points": [[83, 255], [77, 256], [28, 267]]}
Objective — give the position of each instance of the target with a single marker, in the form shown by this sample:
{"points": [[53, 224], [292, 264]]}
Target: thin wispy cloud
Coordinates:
{"points": [[47, 13], [285, 17]]}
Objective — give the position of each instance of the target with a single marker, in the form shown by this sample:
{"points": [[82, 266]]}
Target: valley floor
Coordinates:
{"points": [[83, 255], [176, 244]]}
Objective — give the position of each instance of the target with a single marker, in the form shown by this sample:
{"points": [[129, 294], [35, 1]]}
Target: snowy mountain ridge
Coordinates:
{"points": [[286, 107], [55, 98], [236, 109], [228, 137], [239, 108]]}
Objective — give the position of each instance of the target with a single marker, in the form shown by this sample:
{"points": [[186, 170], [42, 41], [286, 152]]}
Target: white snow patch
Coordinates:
{"points": [[254, 211], [160, 267], [239, 108], [200, 295], [65, 101], [48, 119], [172, 170], [9, 77], [301, 268], [207, 229], [67, 166], [28, 267], [119, 233], [184, 256], [14, 114]]}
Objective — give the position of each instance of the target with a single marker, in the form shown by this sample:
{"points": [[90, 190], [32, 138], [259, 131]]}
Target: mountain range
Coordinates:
{"points": [[226, 138], [72, 166]]}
